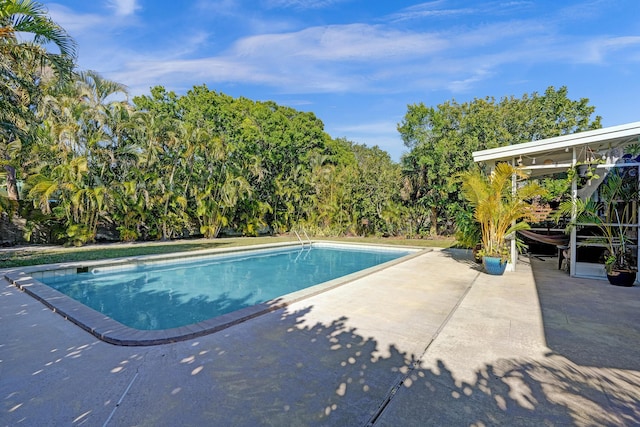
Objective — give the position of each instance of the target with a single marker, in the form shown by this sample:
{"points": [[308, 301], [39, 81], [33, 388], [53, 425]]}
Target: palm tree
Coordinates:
{"points": [[77, 204], [24, 69], [498, 209], [28, 17], [81, 121]]}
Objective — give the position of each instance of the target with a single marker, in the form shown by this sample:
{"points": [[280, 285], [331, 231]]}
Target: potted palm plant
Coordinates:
{"points": [[610, 212], [499, 210]]}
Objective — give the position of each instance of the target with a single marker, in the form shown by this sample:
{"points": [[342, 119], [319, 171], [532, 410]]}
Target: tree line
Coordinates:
{"points": [[82, 161]]}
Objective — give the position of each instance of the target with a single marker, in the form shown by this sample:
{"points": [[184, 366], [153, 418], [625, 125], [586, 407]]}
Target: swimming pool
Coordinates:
{"points": [[151, 300]]}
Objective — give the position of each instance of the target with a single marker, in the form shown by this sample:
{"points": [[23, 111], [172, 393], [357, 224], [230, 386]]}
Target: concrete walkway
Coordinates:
{"points": [[432, 341]]}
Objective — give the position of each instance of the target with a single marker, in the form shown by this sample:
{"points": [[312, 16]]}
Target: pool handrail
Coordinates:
{"points": [[307, 236]]}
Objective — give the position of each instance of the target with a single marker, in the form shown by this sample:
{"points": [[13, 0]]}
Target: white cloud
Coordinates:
{"points": [[381, 133], [123, 7], [219, 7], [75, 23], [317, 59], [369, 128], [583, 11], [467, 83], [350, 58], [353, 42], [302, 4], [599, 49], [99, 47], [428, 10], [142, 74], [190, 44]]}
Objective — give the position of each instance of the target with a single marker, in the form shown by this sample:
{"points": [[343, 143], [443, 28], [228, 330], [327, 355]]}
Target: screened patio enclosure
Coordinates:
{"points": [[611, 147]]}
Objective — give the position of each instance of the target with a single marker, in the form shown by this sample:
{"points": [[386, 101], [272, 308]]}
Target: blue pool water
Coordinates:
{"points": [[192, 290]]}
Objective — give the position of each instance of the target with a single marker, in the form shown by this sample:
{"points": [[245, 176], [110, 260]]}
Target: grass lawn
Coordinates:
{"points": [[34, 255]]}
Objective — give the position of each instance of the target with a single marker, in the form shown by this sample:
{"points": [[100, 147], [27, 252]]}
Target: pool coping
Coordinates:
{"points": [[114, 332]]}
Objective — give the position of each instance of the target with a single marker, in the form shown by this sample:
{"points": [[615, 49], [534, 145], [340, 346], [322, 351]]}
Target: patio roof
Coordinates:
{"points": [[558, 154], [552, 155]]}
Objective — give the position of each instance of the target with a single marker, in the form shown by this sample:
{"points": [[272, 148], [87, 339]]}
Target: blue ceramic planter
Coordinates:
{"points": [[493, 265]]}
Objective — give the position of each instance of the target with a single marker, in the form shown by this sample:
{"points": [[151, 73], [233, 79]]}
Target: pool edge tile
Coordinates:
{"points": [[114, 332]]}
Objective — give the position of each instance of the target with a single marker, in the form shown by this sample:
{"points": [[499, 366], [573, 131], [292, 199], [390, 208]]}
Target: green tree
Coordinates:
{"points": [[25, 65], [441, 141], [269, 146], [80, 129], [219, 175], [78, 204], [440, 149], [162, 170], [374, 185]]}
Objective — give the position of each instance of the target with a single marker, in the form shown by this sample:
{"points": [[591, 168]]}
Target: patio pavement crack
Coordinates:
{"points": [[126, 391], [394, 389]]}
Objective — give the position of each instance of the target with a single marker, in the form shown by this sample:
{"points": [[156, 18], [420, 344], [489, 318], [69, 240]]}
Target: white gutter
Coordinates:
{"points": [[559, 142]]}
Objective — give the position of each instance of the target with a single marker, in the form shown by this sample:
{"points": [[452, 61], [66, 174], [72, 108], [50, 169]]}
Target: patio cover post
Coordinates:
{"points": [[557, 154], [573, 240], [511, 266], [638, 219]]}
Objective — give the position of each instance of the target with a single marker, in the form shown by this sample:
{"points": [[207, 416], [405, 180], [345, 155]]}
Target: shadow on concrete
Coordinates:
{"points": [[463, 256], [315, 373], [588, 321], [553, 392], [289, 369]]}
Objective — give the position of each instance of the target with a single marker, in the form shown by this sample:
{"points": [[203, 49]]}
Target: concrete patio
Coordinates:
{"points": [[431, 341]]}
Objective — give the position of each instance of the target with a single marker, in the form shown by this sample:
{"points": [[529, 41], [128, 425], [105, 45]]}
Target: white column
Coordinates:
{"points": [[573, 247], [638, 222], [511, 266]]}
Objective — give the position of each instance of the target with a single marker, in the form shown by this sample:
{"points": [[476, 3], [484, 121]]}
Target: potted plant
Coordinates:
{"points": [[610, 213], [499, 210], [555, 191], [585, 170]]}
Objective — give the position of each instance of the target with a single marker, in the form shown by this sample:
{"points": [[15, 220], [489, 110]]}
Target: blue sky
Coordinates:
{"points": [[357, 64]]}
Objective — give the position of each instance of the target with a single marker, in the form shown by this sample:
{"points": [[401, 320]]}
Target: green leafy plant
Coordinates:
{"points": [[556, 189], [468, 233], [610, 213], [499, 210], [590, 173]]}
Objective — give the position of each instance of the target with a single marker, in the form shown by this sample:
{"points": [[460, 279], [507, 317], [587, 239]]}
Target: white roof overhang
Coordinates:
{"points": [[556, 154]]}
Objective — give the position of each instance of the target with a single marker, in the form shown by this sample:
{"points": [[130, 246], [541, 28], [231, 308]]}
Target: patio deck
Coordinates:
{"points": [[432, 341]]}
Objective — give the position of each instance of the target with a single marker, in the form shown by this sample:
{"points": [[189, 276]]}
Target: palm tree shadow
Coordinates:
{"points": [[463, 256], [293, 367], [517, 392], [327, 373]]}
